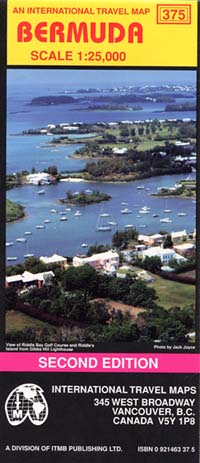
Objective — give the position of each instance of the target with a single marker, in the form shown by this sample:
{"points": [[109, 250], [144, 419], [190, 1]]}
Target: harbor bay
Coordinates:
{"points": [[66, 237]]}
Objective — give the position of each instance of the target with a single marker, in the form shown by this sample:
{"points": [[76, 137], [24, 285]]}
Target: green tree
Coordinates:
{"points": [[126, 332], [118, 239], [80, 278], [141, 295], [52, 170], [34, 265], [11, 298], [97, 248], [124, 132], [98, 313], [168, 243], [69, 195], [152, 264]]}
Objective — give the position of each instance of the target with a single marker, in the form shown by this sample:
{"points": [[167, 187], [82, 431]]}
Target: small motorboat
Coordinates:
{"points": [[77, 214], [21, 240], [41, 192]]}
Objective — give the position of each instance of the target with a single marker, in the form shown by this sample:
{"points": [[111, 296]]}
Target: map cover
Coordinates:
{"points": [[99, 137]]}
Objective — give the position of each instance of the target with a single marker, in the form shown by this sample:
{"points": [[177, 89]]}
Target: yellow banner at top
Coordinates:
{"points": [[102, 33]]}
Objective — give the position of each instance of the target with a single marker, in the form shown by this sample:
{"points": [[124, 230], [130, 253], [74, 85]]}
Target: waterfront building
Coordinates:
{"points": [[39, 178], [103, 260], [55, 259]]}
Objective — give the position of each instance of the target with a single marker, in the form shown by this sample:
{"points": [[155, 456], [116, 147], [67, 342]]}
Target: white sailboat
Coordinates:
{"points": [[28, 253], [166, 210], [126, 211], [102, 223], [104, 214], [77, 214], [113, 223], [166, 220], [129, 225], [144, 210]]}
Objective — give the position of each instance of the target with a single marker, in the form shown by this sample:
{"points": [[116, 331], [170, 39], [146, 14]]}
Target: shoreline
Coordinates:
{"points": [[173, 196], [24, 216]]}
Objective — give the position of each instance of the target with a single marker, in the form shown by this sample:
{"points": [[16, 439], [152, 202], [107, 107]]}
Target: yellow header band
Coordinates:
{"points": [[102, 33]]}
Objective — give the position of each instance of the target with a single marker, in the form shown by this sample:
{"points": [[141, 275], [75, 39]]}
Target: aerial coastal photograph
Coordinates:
{"points": [[100, 208]]}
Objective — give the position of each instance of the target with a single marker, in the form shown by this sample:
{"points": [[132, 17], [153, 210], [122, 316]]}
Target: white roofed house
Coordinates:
{"points": [[108, 261], [55, 259], [39, 178], [157, 238], [119, 150], [178, 236], [165, 255], [28, 278], [51, 126]]}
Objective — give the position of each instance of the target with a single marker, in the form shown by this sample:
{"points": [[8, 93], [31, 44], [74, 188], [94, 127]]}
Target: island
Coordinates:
{"points": [[85, 198], [47, 100], [181, 107], [109, 107], [184, 189], [52, 100], [14, 211]]}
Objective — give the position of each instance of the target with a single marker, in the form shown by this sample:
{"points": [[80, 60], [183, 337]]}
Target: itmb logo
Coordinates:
{"points": [[25, 401]]}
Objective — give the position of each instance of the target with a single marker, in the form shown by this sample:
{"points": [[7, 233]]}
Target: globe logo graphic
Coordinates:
{"points": [[26, 401]]}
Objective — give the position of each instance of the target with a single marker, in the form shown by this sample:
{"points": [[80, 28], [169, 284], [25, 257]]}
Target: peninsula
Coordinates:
{"points": [[14, 211]]}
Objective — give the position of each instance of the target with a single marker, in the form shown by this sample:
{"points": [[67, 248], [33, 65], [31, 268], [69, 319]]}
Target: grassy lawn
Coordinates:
{"points": [[19, 321], [172, 293]]}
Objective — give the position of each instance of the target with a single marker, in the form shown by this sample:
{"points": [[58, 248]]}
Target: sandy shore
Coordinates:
{"points": [[74, 180]]}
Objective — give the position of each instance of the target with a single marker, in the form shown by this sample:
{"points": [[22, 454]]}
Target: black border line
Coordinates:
{"points": [[3, 21], [105, 68], [198, 190], [123, 347]]}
